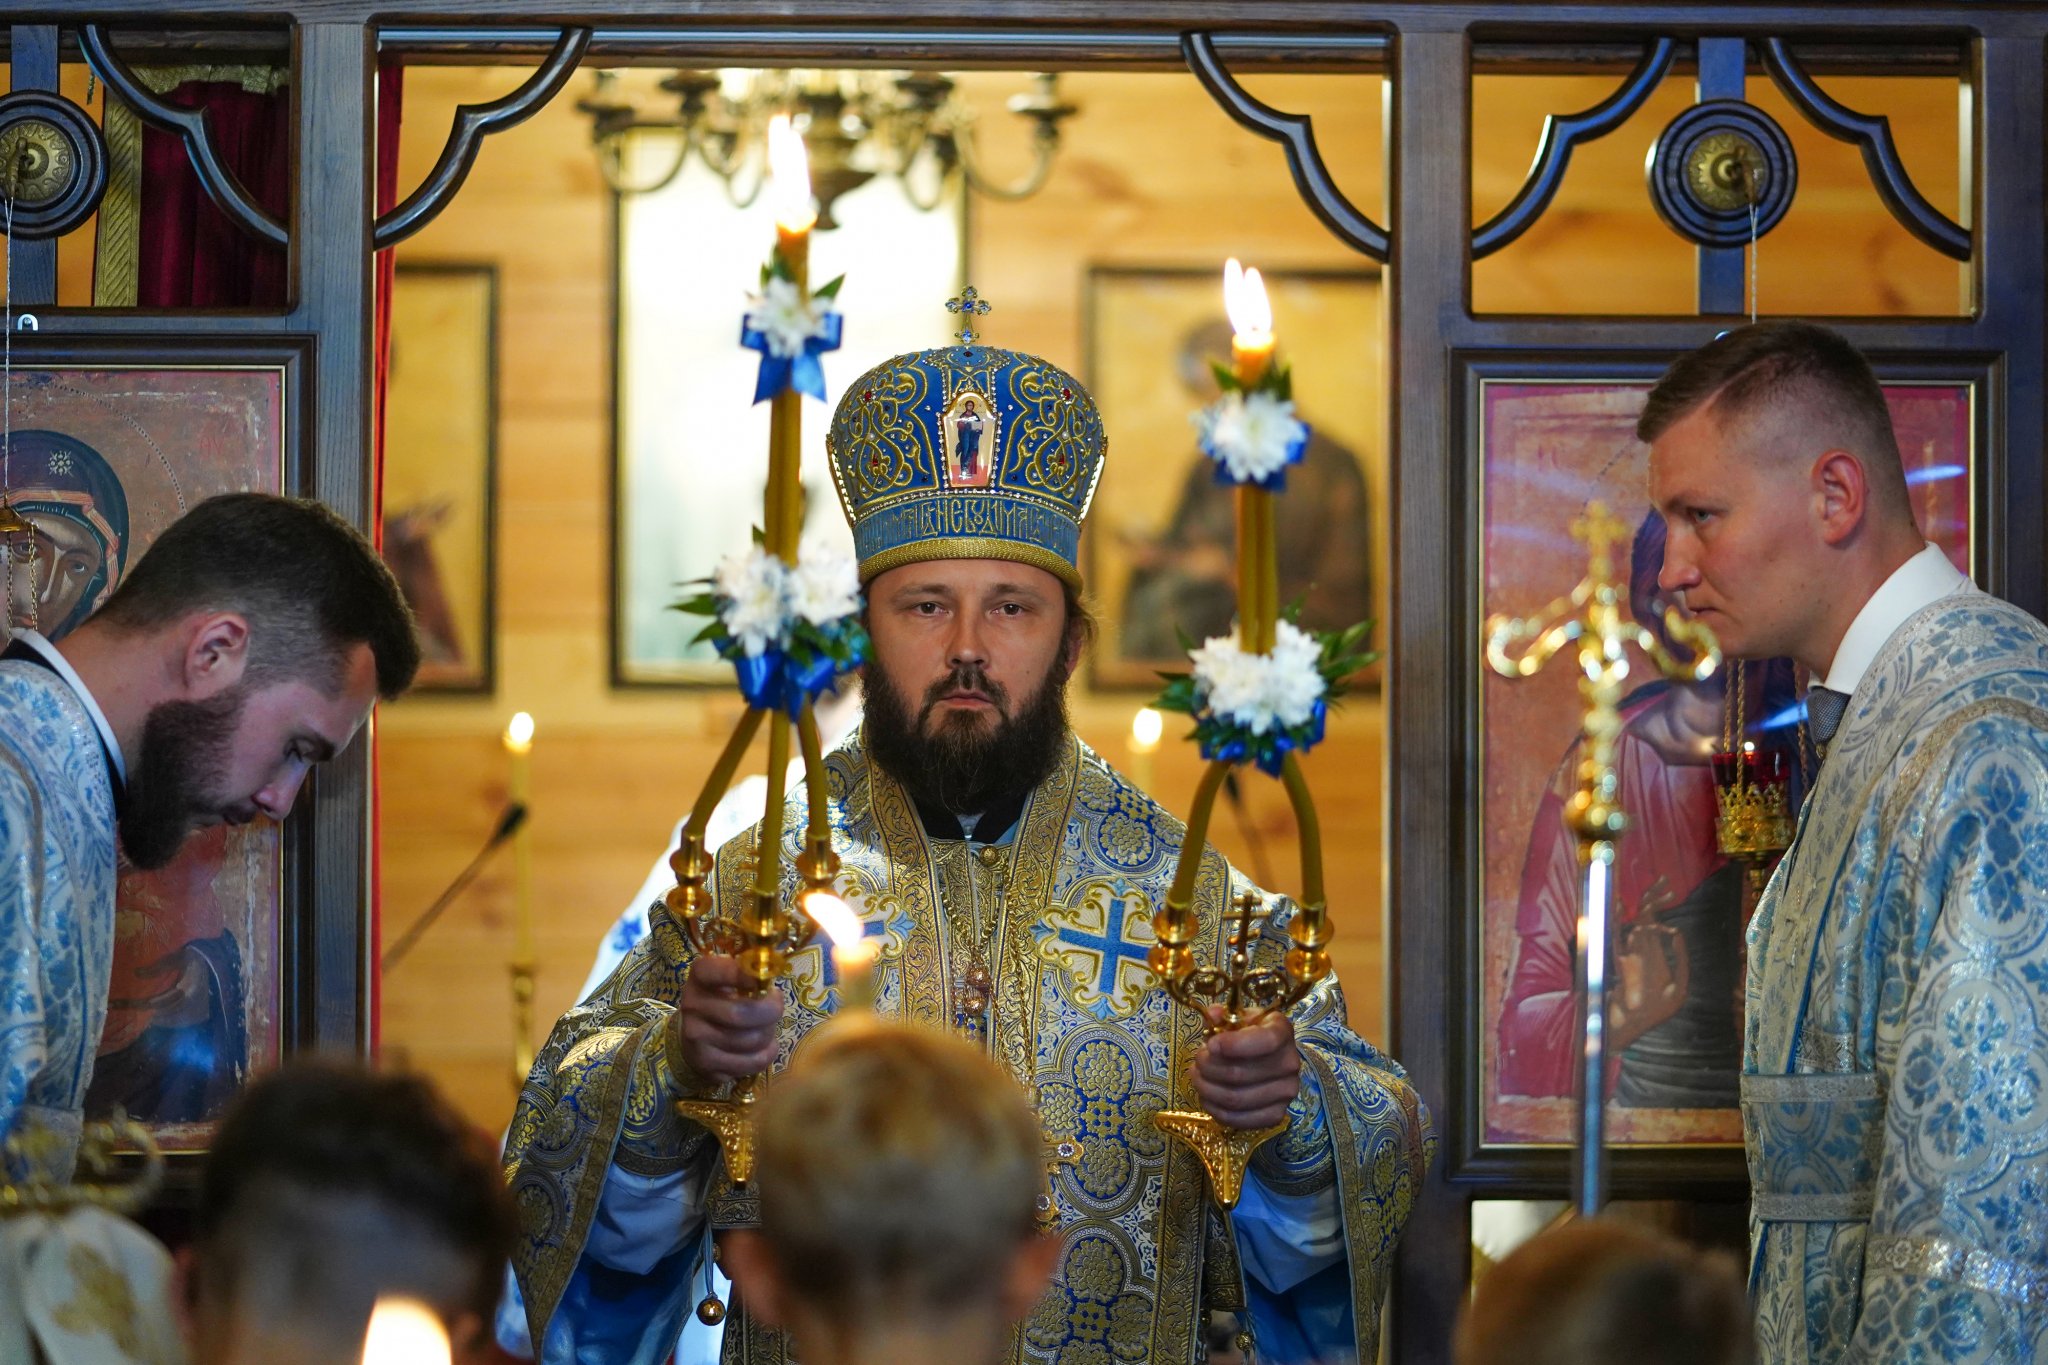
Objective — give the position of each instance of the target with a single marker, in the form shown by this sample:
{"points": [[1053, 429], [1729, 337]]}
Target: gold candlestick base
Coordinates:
{"points": [[731, 1121], [1223, 1152]]}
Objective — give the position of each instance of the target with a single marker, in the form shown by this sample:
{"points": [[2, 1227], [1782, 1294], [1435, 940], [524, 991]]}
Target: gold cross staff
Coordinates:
{"points": [[1594, 616]]}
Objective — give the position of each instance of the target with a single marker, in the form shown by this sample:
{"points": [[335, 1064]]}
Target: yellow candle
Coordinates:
{"points": [[790, 195], [1252, 343], [1146, 727], [519, 746]]}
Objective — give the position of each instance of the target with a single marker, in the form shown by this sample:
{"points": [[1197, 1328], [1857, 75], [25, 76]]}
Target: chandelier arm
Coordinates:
{"points": [[1045, 146], [610, 161], [744, 201]]}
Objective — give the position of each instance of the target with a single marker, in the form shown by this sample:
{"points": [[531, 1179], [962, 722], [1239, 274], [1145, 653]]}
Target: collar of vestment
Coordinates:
{"points": [[1925, 578], [990, 828], [31, 648]]}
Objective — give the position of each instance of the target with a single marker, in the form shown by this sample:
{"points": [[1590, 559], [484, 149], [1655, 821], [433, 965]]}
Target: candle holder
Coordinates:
{"points": [[1752, 794], [1245, 994], [1257, 696], [782, 666]]}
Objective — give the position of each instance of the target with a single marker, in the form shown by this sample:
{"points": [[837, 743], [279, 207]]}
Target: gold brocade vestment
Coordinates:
{"points": [[1060, 916]]}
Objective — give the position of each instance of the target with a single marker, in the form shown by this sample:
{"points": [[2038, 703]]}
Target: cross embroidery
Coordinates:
{"points": [[1089, 940]]}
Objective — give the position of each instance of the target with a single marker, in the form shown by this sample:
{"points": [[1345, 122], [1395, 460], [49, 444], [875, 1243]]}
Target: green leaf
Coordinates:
{"points": [[1279, 381], [830, 289], [1226, 378]]}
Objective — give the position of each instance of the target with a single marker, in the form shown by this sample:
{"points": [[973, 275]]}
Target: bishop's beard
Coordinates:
{"points": [[958, 760], [177, 774]]}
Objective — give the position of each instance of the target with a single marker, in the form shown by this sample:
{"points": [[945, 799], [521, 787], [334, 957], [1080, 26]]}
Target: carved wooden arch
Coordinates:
{"points": [[473, 123], [194, 128], [1873, 135], [1297, 133]]}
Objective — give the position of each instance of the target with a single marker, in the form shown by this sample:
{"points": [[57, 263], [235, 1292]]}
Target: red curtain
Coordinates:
{"points": [[188, 254]]}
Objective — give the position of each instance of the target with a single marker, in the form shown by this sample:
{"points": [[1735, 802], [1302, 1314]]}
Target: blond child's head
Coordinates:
{"points": [[900, 1174]]}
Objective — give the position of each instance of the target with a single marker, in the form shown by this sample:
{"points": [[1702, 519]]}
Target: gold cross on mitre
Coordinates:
{"points": [[969, 305]]}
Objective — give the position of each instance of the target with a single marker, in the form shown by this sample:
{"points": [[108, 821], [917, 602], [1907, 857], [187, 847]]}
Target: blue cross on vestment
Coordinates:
{"points": [[1111, 943]]}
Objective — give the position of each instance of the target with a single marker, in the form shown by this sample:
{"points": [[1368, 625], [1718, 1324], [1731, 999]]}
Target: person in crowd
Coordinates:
{"points": [[901, 1178], [1606, 1292], [329, 1188]]}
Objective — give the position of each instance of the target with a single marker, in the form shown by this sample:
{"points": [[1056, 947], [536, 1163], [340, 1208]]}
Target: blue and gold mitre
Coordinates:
{"points": [[966, 452]]}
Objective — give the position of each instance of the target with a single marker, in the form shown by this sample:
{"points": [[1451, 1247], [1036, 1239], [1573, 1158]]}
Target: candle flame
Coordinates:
{"points": [[789, 177], [1244, 299], [405, 1332], [835, 917], [519, 734], [1146, 727]]}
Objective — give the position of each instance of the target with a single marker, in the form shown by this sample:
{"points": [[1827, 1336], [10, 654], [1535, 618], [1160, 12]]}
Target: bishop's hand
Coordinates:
{"points": [[717, 1033], [1248, 1076]]}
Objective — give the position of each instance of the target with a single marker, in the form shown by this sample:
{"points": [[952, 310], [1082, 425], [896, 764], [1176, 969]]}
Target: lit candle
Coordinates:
{"points": [[519, 746], [405, 1332], [1145, 730], [789, 187], [1252, 344], [1251, 322], [853, 953]]}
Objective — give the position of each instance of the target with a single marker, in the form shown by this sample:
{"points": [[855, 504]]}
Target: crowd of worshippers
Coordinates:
{"points": [[901, 1177], [987, 1182]]}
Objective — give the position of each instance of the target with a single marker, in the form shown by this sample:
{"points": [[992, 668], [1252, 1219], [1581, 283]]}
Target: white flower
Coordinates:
{"points": [[825, 585], [782, 313], [1253, 436], [1261, 692], [753, 599]]}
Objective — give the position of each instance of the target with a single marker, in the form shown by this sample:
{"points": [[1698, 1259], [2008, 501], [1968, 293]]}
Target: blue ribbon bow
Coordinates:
{"points": [[1274, 482], [1237, 743], [802, 371], [775, 679]]}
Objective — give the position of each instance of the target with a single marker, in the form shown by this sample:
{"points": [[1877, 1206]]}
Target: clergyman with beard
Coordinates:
{"points": [[1009, 876], [245, 646]]}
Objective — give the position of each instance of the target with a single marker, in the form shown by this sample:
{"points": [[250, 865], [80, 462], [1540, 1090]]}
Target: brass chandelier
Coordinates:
{"points": [[912, 126]]}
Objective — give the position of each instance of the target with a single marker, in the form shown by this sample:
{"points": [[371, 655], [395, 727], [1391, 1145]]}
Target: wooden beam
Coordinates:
{"points": [[1723, 74], [332, 201], [33, 263], [1432, 879], [2009, 119]]}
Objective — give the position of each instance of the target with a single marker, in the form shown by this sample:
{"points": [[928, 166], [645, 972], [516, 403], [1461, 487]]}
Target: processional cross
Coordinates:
{"points": [[1592, 615]]}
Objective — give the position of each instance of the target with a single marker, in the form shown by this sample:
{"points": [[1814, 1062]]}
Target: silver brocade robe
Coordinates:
{"points": [[1895, 1101], [1075, 1017], [57, 862]]}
